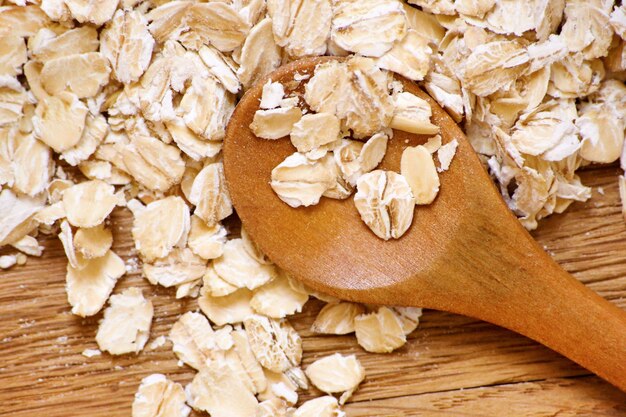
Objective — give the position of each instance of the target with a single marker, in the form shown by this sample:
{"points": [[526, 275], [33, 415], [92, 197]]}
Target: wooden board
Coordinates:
{"points": [[451, 365]]}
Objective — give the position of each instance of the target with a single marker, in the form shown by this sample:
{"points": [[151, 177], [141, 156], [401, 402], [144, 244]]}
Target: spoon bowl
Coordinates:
{"points": [[465, 253]]}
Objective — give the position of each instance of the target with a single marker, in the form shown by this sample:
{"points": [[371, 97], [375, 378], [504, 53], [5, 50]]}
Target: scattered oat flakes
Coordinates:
{"points": [[194, 340], [127, 44], [125, 327], [60, 120], [88, 287], [155, 238], [368, 27], [240, 269], [90, 353], [412, 114], [7, 261], [385, 203], [278, 298], [409, 57], [276, 345], [93, 242], [209, 194], [445, 154], [181, 268], [326, 406], [260, 54], [379, 332], [212, 391], [336, 373], [89, 73], [87, 204], [418, 168], [314, 130], [337, 318], [275, 123], [157, 396], [227, 309], [206, 241]]}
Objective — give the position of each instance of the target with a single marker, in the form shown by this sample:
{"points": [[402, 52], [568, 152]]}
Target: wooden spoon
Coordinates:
{"points": [[466, 253]]}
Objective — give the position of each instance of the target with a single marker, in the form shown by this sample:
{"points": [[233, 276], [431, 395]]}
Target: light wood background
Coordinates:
{"points": [[451, 366]]}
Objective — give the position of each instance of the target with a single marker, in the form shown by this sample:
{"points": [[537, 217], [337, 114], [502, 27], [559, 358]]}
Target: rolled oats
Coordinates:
{"points": [[336, 373], [276, 345], [260, 54], [385, 203], [275, 123], [418, 168], [278, 298], [241, 270], [326, 406], [231, 308], [379, 332], [87, 204], [125, 327], [89, 286], [157, 396], [93, 242], [337, 318]]}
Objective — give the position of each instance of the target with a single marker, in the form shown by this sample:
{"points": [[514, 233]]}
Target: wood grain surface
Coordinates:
{"points": [[451, 366]]}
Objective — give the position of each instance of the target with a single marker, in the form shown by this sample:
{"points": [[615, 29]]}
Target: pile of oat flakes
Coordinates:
{"points": [[124, 103]]}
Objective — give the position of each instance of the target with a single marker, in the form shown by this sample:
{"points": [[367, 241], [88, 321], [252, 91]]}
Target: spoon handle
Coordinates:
{"points": [[549, 305]]}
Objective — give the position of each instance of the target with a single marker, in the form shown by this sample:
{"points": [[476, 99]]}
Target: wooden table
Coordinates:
{"points": [[451, 365]]}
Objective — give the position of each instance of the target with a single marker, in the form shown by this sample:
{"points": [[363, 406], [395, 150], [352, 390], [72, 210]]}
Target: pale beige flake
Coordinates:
{"points": [[59, 121], [154, 237], [602, 134], [336, 373], [22, 21], [243, 350], [424, 23], [418, 167], [385, 203], [127, 44], [66, 236], [206, 241], [215, 286], [88, 288], [12, 55], [221, 392], [221, 66], [94, 133], [544, 128], [275, 123], [355, 158], [278, 298], [194, 340], [157, 396], [495, 65], [192, 144], [379, 332], [301, 27], [315, 130], [276, 345], [409, 317], [206, 107], [412, 114], [32, 166], [7, 261], [93, 242], [181, 268], [409, 57], [272, 95], [260, 54], [274, 407], [219, 24], [586, 28], [299, 181], [445, 155], [445, 88], [368, 27], [209, 194], [572, 76], [48, 44], [80, 74], [240, 269], [475, 8], [437, 7], [618, 20], [228, 309], [29, 246], [87, 204], [125, 327], [13, 99], [433, 144], [337, 318], [326, 406], [97, 12]]}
